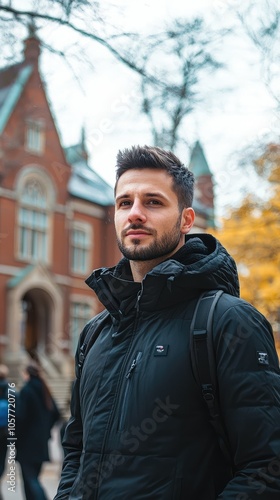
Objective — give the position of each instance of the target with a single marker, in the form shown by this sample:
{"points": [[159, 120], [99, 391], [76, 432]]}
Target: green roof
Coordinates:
{"points": [[13, 282], [12, 94], [85, 183], [198, 163]]}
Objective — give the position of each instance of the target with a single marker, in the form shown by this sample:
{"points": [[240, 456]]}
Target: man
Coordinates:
{"points": [[139, 427]]}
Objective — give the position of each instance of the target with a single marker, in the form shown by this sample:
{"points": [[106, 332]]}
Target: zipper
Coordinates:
{"points": [[138, 298], [111, 417], [133, 366], [128, 377]]}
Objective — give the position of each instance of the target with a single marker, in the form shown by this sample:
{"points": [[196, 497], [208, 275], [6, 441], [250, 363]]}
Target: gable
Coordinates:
{"points": [[12, 83]]}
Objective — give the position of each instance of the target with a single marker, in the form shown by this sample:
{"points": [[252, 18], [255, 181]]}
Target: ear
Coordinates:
{"points": [[187, 220]]}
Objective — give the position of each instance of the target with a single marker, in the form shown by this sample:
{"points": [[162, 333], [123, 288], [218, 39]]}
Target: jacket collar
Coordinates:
{"points": [[201, 264]]}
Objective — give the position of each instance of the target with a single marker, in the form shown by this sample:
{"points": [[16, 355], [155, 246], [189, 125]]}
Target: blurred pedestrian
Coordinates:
{"points": [[4, 371], [37, 413], [65, 416]]}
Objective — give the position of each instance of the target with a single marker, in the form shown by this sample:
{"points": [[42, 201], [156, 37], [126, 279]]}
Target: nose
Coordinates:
{"points": [[137, 212]]}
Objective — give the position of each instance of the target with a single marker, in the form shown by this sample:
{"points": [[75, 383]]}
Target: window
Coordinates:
{"points": [[33, 222], [80, 315], [80, 243], [35, 136]]}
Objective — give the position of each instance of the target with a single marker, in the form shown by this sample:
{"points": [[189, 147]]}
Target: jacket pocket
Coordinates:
{"points": [[128, 387]]}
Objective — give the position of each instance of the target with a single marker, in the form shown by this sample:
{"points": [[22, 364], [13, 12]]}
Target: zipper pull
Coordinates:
{"points": [[133, 364], [138, 298]]}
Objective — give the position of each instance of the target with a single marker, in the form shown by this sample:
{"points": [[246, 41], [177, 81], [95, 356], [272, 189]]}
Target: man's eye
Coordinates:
{"points": [[154, 202], [125, 203]]}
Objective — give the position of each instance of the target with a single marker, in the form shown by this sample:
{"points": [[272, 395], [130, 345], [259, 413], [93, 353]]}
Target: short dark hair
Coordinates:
{"points": [[138, 157]]}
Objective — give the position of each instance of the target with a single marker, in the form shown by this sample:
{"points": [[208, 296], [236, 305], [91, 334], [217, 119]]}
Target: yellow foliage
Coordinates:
{"points": [[251, 234]]}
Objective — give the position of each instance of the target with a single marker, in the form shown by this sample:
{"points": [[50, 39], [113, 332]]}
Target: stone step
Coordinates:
{"points": [[61, 392], [59, 384]]}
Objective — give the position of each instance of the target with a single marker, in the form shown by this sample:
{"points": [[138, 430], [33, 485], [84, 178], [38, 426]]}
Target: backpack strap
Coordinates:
{"points": [[90, 335], [204, 366]]}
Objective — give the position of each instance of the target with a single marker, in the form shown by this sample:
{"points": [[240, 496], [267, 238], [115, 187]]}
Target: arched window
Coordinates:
{"points": [[33, 221]]}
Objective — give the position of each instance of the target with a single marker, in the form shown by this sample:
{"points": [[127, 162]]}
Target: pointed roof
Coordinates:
{"points": [[20, 276], [198, 163], [37, 275], [85, 183], [200, 168], [12, 83], [13, 79]]}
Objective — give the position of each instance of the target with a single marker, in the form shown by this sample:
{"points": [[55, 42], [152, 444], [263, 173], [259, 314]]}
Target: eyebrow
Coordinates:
{"points": [[146, 195]]}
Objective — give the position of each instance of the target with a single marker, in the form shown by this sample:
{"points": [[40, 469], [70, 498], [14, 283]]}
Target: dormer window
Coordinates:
{"points": [[35, 136]]}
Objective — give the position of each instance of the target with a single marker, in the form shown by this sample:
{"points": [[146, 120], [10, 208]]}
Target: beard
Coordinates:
{"points": [[160, 247]]}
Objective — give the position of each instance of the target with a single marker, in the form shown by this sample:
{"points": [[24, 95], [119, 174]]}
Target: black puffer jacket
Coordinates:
{"points": [[139, 429]]}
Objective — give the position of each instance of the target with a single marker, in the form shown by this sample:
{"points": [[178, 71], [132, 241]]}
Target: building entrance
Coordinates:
{"points": [[36, 322]]}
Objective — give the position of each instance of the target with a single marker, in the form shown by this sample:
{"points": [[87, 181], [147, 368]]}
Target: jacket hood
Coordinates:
{"points": [[201, 264]]}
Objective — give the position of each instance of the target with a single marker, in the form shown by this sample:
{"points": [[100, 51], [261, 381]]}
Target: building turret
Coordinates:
{"points": [[203, 193]]}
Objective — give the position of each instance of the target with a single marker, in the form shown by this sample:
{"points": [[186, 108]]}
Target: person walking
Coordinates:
{"points": [[139, 427], [65, 416], [37, 413], [4, 372]]}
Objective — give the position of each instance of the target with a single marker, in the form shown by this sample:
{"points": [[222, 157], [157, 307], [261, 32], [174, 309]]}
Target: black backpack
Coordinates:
{"points": [[204, 365], [202, 359]]}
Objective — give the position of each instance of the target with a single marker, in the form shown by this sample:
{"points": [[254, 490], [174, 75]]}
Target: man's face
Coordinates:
{"points": [[147, 219]]}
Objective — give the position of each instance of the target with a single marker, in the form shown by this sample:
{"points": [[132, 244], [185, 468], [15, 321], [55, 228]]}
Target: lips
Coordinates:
{"points": [[136, 233]]}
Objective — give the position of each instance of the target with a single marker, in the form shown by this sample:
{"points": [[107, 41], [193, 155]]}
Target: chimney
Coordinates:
{"points": [[32, 45]]}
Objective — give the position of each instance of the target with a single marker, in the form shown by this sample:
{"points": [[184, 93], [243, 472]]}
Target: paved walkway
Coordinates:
{"points": [[49, 476]]}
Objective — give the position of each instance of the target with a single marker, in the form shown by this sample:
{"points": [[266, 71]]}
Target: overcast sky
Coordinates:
{"points": [[105, 101]]}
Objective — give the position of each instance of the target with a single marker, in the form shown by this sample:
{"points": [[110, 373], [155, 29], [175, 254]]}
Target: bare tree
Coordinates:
{"points": [[170, 64], [261, 23], [85, 20], [182, 57]]}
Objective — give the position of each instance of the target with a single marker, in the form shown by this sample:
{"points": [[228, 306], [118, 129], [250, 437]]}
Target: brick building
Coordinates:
{"points": [[56, 225]]}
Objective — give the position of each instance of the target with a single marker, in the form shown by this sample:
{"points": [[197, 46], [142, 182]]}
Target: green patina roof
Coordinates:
{"points": [[198, 163], [85, 183], [11, 95], [20, 276]]}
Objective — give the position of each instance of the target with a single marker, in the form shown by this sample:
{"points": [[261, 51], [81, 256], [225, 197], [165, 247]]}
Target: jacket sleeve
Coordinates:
{"points": [[73, 435], [249, 387], [73, 438]]}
